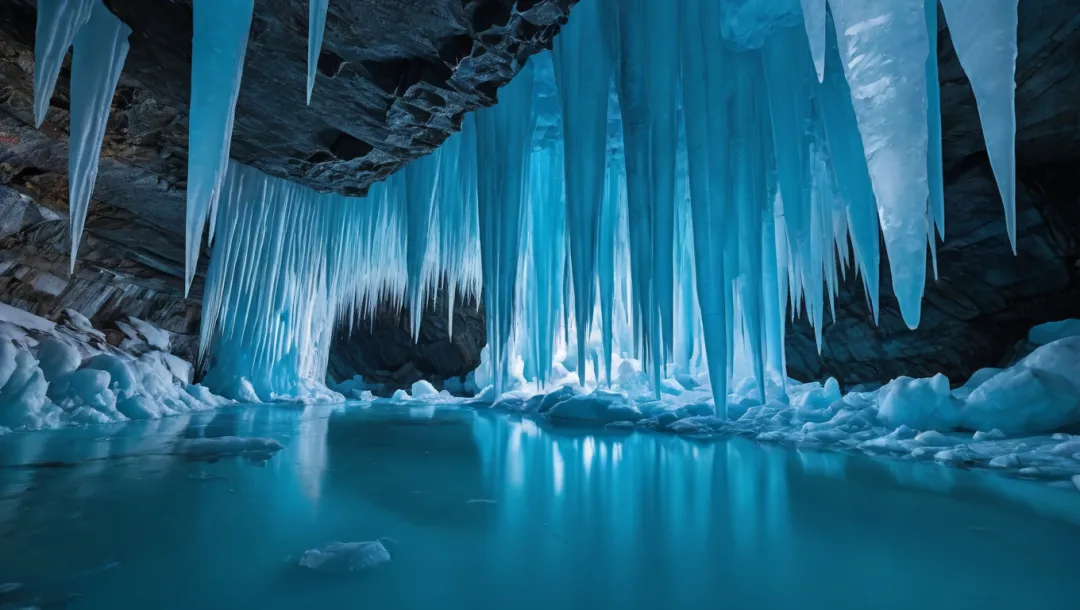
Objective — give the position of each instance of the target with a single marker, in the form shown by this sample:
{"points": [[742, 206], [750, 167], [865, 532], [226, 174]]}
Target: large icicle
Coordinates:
{"points": [[852, 176], [884, 47], [548, 211], [100, 49], [316, 26], [218, 45], [935, 161], [421, 178], [814, 18], [504, 135], [583, 90], [58, 22], [984, 35], [705, 101]]}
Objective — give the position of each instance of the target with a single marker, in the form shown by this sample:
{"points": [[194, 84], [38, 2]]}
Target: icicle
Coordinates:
{"points": [[421, 179], [984, 35], [884, 47], [852, 175], [605, 259], [504, 134], [814, 18], [704, 89], [58, 22], [935, 163], [316, 26], [583, 89], [548, 217], [218, 45], [100, 49]]}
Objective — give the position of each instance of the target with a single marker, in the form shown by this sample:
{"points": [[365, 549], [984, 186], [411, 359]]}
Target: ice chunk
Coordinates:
{"points": [[58, 22], [316, 26], [1052, 331], [1041, 393], [984, 35], [225, 446], [345, 557], [599, 406], [423, 388], [923, 404], [100, 49], [218, 46], [57, 359]]}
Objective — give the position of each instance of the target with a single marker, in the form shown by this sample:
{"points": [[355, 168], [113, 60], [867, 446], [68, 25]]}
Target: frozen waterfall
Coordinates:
{"points": [[671, 184]]}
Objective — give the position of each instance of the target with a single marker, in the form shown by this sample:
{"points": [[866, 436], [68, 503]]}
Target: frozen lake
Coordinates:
{"points": [[493, 512]]}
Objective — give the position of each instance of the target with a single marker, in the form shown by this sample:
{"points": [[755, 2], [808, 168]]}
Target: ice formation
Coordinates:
{"points": [[100, 49], [316, 26], [53, 375], [666, 188]]}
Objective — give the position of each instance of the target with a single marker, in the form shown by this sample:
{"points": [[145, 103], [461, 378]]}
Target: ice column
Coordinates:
{"points": [[984, 35], [218, 45], [100, 49], [58, 21], [884, 46]]}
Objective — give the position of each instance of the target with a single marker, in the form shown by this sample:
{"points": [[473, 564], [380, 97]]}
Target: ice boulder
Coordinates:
{"points": [[922, 404], [1041, 393], [600, 406], [423, 388], [345, 557], [977, 378], [57, 359], [1052, 331]]}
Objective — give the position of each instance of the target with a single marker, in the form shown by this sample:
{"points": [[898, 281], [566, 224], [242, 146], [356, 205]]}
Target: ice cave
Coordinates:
{"points": [[415, 304]]}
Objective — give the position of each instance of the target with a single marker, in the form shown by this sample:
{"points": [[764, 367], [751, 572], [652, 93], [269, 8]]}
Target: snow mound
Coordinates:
{"points": [[52, 375], [345, 557], [423, 388]]}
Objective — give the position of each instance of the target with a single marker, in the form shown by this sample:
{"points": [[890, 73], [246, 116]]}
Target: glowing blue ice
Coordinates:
{"points": [[218, 45], [100, 49], [316, 26], [58, 21]]}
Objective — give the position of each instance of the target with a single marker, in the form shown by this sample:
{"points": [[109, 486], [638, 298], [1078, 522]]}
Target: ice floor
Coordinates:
{"points": [[484, 511]]}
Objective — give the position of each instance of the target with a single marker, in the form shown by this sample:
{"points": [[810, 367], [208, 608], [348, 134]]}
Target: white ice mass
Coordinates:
{"points": [[59, 374], [640, 214]]}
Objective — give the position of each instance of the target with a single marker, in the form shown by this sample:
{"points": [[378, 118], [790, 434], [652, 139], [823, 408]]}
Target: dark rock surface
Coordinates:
{"points": [[985, 299], [381, 349]]}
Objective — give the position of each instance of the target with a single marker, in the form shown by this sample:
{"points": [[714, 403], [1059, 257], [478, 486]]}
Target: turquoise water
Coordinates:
{"points": [[491, 512]]}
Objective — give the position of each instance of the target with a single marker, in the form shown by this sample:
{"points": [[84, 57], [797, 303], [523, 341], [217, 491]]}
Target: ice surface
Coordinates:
{"points": [[58, 22], [984, 35], [98, 57], [345, 557], [218, 46]]}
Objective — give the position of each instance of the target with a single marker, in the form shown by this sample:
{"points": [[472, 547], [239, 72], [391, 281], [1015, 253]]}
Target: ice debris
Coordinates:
{"points": [[345, 557]]}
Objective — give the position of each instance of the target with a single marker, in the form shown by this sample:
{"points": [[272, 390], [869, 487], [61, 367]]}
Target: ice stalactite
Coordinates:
{"points": [[705, 102], [316, 27], [583, 89], [984, 36], [728, 185], [218, 46], [99, 52], [883, 44], [421, 178], [547, 211], [504, 137], [814, 18], [58, 22], [935, 167]]}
